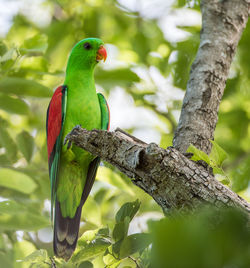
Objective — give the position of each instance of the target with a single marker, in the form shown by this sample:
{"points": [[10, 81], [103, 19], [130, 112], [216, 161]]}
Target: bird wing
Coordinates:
{"points": [[105, 118], [54, 127], [66, 229], [105, 113]]}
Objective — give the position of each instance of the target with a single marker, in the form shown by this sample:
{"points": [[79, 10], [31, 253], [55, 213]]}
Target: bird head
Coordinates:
{"points": [[87, 53]]}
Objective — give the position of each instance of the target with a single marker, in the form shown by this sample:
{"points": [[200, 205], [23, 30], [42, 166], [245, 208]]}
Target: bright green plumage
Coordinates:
{"points": [[72, 181], [83, 109]]}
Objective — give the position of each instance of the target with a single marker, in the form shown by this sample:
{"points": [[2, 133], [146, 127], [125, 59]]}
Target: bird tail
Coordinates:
{"points": [[66, 229], [65, 232]]}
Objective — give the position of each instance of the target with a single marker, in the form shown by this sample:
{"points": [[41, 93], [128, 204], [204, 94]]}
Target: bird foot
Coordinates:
{"points": [[76, 127], [67, 138], [68, 142]]}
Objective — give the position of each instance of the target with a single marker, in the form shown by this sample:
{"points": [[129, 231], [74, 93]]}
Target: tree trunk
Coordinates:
{"points": [[223, 22]]}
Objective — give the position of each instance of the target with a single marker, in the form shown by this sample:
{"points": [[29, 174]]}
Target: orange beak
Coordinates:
{"points": [[101, 54]]}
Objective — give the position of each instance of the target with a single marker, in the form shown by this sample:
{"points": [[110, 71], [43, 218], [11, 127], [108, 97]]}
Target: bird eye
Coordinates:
{"points": [[87, 46]]}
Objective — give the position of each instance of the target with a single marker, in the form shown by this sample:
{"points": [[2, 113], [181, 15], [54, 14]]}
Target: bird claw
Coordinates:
{"points": [[76, 127], [67, 140]]}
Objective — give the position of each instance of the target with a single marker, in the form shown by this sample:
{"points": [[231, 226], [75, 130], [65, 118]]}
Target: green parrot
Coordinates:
{"points": [[72, 170]]}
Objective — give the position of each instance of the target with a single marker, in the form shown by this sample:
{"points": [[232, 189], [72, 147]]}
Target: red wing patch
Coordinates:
{"points": [[54, 119]]}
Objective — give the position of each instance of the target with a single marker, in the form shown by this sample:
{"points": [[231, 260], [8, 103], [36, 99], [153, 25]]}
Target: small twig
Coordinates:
{"points": [[53, 264], [135, 261]]}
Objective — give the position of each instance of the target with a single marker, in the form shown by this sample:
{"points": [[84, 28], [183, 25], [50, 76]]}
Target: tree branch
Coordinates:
{"points": [[174, 181], [222, 25]]}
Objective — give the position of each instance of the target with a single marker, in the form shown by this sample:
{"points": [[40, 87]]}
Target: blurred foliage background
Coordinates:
{"points": [[151, 45]]}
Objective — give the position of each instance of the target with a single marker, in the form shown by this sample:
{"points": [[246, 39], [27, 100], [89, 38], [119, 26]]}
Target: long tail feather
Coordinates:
{"points": [[66, 229], [65, 232]]}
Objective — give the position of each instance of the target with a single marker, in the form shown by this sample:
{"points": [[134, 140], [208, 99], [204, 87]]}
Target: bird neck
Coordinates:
{"points": [[79, 80]]}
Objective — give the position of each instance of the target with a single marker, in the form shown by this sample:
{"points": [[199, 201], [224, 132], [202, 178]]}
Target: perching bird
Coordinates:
{"points": [[72, 171]]}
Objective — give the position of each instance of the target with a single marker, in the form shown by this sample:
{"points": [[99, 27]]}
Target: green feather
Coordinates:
{"points": [[83, 108], [104, 111]]}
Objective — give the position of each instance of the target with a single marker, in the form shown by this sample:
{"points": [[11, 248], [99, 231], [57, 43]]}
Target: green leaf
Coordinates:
{"points": [[8, 59], [198, 154], [215, 159], [35, 46], [222, 177], [3, 48], [8, 143], [87, 237], [190, 241], [134, 243], [9, 55], [109, 259], [37, 256], [218, 170], [103, 232], [23, 87], [25, 144], [13, 105], [217, 155], [15, 216], [115, 264], [90, 235], [115, 249], [241, 176], [21, 250], [16, 180], [91, 250], [127, 210], [85, 264], [121, 229]]}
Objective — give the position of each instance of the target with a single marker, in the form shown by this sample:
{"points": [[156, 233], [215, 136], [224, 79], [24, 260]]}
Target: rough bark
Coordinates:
{"points": [[174, 181], [222, 24]]}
